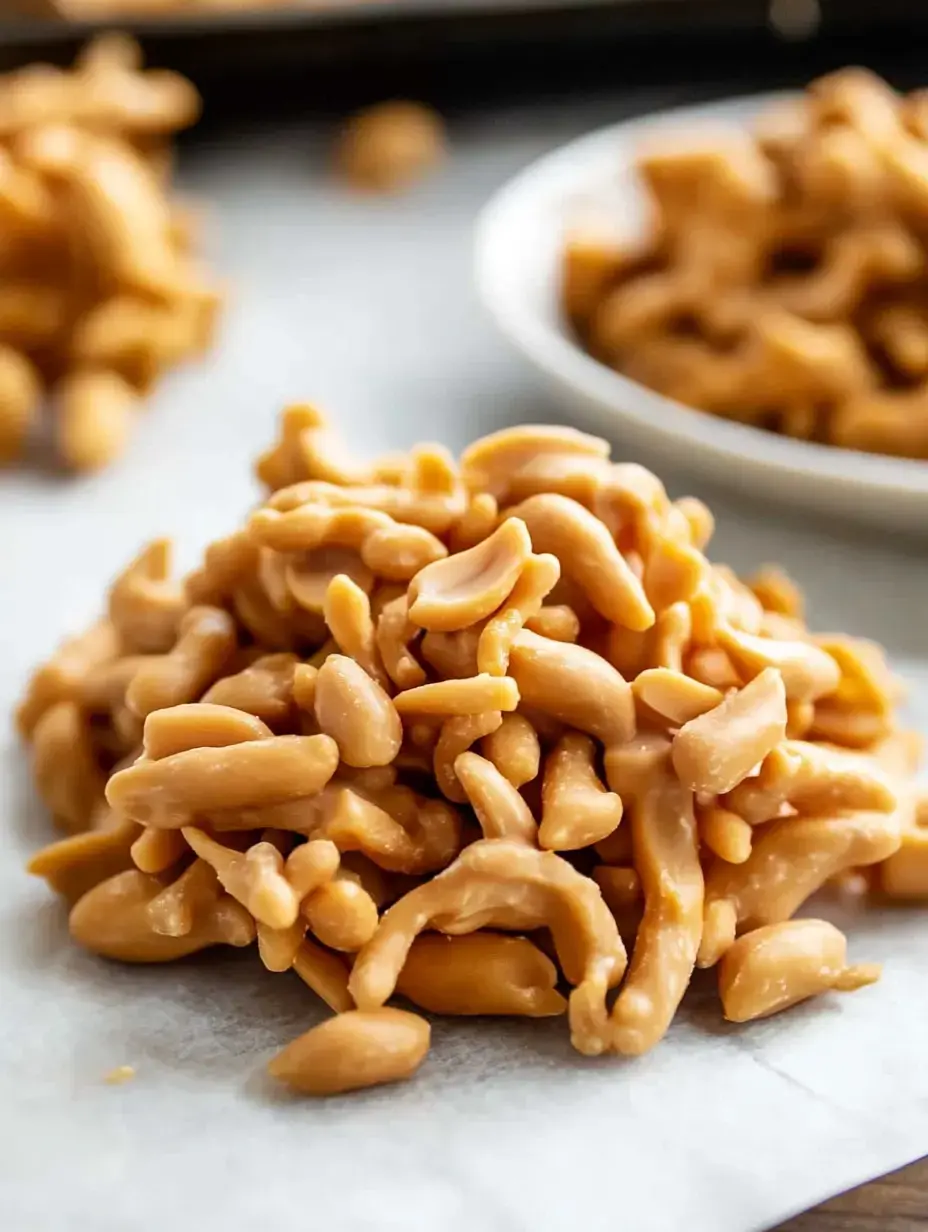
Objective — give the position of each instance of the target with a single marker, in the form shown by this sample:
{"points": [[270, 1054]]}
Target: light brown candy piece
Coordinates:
{"points": [[155, 851], [197, 725], [61, 678], [325, 973], [74, 865], [466, 588], [514, 749], [666, 847], [93, 416], [352, 708], [509, 885], [577, 810], [20, 392], [206, 639], [341, 913], [480, 973], [490, 462], [353, 1050], [167, 793], [448, 698], [500, 810], [904, 874], [264, 688], [389, 146], [574, 685], [775, 967], [456, 737], [112, 920], [64, 766], [255, 877], [717, 750], [588, 556]]}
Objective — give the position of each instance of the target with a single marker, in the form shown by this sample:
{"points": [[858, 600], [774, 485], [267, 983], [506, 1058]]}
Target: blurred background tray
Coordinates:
{"points": [[349, 52]]}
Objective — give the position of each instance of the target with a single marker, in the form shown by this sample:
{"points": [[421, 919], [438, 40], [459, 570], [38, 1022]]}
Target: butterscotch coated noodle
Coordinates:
{"points": [[100, 292], [781, 283], [495, 737]]}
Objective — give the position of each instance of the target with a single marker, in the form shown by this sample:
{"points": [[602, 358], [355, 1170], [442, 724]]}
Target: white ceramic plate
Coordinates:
{"points": [[519, 239]]}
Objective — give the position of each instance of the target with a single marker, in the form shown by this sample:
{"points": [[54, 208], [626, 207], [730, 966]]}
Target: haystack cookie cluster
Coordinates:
{"points": [[470, 731], [782, 282], [99, 290]]}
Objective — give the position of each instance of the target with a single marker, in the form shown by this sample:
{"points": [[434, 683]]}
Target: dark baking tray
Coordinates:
{"points": [[337, 55]]}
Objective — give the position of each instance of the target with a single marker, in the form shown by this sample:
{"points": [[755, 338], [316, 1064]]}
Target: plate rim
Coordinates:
{"points": [[566, 171]]}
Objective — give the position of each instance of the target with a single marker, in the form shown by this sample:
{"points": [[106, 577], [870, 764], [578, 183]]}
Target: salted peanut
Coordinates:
{"points": [[155, 851], [20, 394], [777, 592], [389, 146], [93, 415], [311, 865], [196, 725], [463, 589], [309, 575], [717, 750], [577, 810], [167, 793], [74, 865], [790, 861], [799, 719], [452, 656], [500, 810], [226, 563], [725, 834], [144, 605], [514, 749], [904, 874], [673, 695], [808, 672], [772, 968], [592, 262], [489, 464], [480, 973], [278, 947], [448, 698], [68, 779], [510, 885], [265, 688], [479, 520], [666, 847], [455, 737], [394, 634], [341, 913], [253, 877], [557, 621], [802, 777], [353, 1050], [111, 920], [573, 685], [60, 679], [538, 578], [206, 638], [271, 628], [435, 510], [325, 973], [347, 612], [354, 710], [395, 828], [588, 556], [182, 902]]}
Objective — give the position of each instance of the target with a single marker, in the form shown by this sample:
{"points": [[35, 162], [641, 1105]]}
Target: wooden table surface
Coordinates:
{"points": [[895, 1203]]}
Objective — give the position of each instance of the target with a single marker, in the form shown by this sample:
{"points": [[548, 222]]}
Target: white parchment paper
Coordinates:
{"points": [[367, 307]]}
